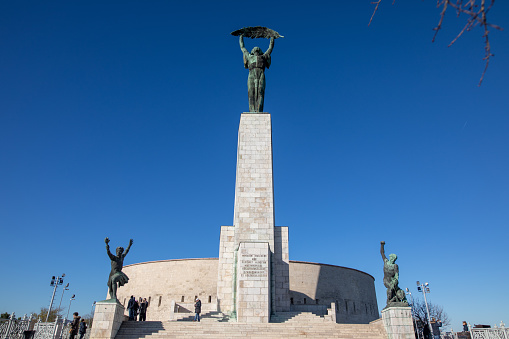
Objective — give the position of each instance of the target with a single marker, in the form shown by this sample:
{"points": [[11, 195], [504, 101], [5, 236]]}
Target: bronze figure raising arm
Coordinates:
{"points": [[128, 247], [382, 251], [241, 42], [107, 240], [271, 46]]}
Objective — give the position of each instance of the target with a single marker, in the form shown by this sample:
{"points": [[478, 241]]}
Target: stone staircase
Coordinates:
{"points": [[294, 327], [298, 317], [205, 317]]}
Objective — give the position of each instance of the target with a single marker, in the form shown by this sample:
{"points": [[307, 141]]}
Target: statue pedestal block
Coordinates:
{"points": [[398, 322], [253, 282], [253, 269], [108, 316]]}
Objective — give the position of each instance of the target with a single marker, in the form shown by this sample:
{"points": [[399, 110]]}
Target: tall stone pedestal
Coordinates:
{"points": [[108, 317], [398, 322], [253, 271]]}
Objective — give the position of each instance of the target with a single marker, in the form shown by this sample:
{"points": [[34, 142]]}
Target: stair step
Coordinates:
{"points": [[223, 330]]}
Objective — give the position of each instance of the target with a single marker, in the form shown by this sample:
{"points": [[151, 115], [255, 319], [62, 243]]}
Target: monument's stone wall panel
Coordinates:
{"points": [[398, 322], [253, 283], [353, 291], [225, 276], [108, 317], [171, 280], [281, 270]]}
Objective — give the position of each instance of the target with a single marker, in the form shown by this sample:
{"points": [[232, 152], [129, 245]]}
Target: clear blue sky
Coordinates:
{"points": [[120, 119]]}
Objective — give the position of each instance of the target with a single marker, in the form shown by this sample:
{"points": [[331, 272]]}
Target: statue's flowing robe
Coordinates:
{"points": [[256, 79], [116, 274], [119, 277]]}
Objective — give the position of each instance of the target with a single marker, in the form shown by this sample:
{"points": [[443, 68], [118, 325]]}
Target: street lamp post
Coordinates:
{"points": [[66, 288], [412, 308], [425, 289], [72, 298], [54, 282]]}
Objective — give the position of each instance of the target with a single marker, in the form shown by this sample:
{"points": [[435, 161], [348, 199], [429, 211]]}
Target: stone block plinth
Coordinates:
{"points": [[398, 322], [254, 193], [108, 316], [253, 297]]}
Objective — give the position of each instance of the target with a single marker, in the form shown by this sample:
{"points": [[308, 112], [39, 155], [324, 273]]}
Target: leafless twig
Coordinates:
{"points": [[477, 17], [377, 3]]}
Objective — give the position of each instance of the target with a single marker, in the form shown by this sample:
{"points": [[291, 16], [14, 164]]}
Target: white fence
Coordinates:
{"points": [[14, 329], [496, 332], [28, 328], [490, 333]]}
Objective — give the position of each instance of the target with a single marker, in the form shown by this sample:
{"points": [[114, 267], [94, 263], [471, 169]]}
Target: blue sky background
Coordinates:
{"points": [[120, 119]]}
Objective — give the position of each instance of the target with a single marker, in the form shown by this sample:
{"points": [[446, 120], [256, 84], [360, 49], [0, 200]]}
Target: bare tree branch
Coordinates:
{"points": [[442, 14], [477, 17], [435, 311], [376, 9]]}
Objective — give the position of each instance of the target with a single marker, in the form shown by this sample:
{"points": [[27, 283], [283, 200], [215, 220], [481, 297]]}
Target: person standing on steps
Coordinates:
{"points": [[143, 309], [197, 309], [465, 326], [130, 307], [83, 328], [136, 307], [74, 325], [435, 325]]}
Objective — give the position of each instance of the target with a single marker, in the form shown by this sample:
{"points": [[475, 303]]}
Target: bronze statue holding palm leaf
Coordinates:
{"points": [[256, 62]]}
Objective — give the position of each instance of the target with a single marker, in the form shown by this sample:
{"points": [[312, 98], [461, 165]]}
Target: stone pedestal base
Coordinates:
{"points": [[253, 283], [108, 317], [398, 322]]}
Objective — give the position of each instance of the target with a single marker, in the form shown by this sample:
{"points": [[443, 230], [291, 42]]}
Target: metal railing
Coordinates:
{"points": [[490, 333], [496, 332], [13, 328]]}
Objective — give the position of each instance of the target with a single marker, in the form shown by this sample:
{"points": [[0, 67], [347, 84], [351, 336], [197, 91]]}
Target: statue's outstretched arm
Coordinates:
{"points": [[128, 247], [271, 46], [382, 251], [107, 240], [241, 42]]}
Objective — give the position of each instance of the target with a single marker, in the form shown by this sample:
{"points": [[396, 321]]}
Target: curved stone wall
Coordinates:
{"points": [[315, 286], [166, 280], [312, 288]]}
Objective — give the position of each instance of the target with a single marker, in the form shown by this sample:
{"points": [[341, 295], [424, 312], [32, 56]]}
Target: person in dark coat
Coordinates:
{"points": [[435, 326], [426, 332], [130, 307], [83, 328], [143, 309], [197, 309], [75, 324], [136, 307]]}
